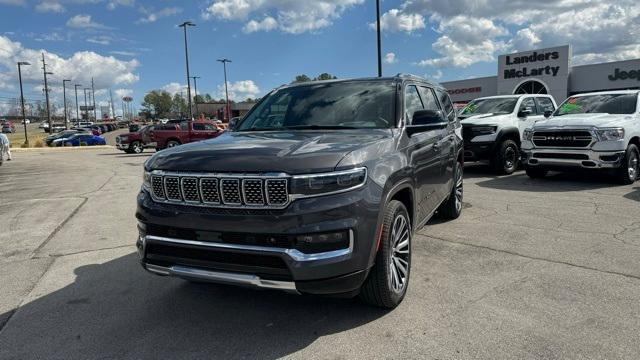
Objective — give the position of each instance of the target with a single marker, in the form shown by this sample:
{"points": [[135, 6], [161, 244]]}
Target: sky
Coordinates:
{"points": [[134, 46]]}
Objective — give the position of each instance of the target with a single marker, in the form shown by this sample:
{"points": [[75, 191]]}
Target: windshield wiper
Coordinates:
{"points": [[314, 127]]}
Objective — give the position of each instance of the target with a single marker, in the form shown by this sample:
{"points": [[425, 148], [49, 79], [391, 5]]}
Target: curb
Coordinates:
{"points": [[64, 148]]}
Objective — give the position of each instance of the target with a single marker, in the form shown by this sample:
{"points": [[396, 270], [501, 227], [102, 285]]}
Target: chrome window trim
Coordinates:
{"points": [[293, 254]]}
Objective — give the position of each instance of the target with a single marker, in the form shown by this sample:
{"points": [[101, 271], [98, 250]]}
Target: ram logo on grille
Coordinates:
{"points": [[221, 191]]}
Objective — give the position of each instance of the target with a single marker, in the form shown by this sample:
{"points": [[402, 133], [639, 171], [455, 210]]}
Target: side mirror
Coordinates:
{"points": [[525, 112], [547, 113], [425, 120], [233, 123]]}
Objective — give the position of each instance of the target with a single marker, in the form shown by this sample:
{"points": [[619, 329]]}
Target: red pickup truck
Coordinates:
{"points": [[172, 134], [136, 141]]}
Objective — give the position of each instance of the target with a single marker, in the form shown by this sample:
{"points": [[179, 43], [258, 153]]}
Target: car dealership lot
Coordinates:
{"points": [[533, 269]]}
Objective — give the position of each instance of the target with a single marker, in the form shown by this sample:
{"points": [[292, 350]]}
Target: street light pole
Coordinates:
{"points": [[378, 31], [86, 111], [93, 96], [46, 92], [184, 25], [77, 105], [226, 90], [195, 93], [24, 118], [64, 98]]}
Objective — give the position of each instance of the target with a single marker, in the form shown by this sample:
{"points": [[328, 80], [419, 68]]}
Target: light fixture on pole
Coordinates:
{"points": [[24, 118], [77, 105], [184, 25], [224, 65], [64, 98]]}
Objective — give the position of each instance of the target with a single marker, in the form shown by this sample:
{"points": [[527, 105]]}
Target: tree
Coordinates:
{"points": [[207, 97], [304, 78], [157, 102], [325, 76], [301, 78], [179, 105]]}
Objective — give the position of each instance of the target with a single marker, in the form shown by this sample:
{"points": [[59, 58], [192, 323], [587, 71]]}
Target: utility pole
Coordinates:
{"points": [[378, 31], [46, 92], [64, 98], [186, 54], [195, 90], [224, 65], [93, 95], [77, 105], [113, 112], [24, 118], [86, 111]]}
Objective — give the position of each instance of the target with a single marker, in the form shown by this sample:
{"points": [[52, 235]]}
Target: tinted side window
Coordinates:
{"points": [[184, 126], [447, 104], [198, 126], [528, 103], [412, 101], [428, 98], [544, 104], [209, 127]]}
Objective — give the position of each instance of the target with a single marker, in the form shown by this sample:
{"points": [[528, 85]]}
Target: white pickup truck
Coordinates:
{"points": [[492, 127], [596, 131]]}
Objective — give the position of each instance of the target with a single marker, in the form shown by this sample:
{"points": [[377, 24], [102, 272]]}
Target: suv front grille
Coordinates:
{"points": [[221, 191], [563, 138]]}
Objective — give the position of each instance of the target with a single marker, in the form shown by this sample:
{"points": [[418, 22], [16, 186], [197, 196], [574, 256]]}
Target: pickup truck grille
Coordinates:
{"points": [[221, 191], [563, 138]]}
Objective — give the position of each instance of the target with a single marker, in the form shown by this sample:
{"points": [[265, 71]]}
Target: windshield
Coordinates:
{"points": [[604, 103], [490, 106], [341, 105]]}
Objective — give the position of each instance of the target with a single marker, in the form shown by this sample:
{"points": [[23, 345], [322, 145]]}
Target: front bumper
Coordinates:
{"points": [[584, 158], [198, 257], [122, 146], [476, 151]]}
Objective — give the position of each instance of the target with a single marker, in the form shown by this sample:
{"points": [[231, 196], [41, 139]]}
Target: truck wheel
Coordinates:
{"points": [[172, 143], [536, 172], [627, 173], [452, 207], [136, 147], [387, 282], [505, 159]]}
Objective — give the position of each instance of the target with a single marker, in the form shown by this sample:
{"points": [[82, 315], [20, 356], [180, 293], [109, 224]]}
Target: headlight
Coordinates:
{"points": [[146, 181], [527, 134], [483, 130], [326, 183], [611, 134]]}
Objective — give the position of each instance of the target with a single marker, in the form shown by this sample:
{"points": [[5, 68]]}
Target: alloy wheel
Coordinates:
{"points": [[399, 254], [459, 192], [137, 148], [632, 165], [510, 158]]}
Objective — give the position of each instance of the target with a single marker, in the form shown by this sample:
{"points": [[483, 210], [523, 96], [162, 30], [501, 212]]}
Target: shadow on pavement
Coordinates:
{"points": [[634, 195], [117, 310], [579, 180]]}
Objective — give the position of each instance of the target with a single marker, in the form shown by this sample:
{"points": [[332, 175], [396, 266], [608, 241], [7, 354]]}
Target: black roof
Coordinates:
{"points": [[397, 78]]}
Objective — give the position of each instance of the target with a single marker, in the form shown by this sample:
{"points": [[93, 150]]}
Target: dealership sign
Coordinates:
{"points": [[533, 70], [624, 75], [476, 89]]}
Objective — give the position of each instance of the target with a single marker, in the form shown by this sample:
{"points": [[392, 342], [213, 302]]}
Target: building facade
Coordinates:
{"points": [[547, 71]]}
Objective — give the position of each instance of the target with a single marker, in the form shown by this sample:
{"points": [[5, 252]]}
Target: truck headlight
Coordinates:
{"points": [[527, 134], [328, 183], [146, 181], [483, 130], [610, 134]]}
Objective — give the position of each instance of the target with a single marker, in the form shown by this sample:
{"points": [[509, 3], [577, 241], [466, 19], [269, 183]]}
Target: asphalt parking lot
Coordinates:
{"points": [[533, 269]]}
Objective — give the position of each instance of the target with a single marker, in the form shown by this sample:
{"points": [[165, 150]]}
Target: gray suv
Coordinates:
{"points": [[317, 190]]}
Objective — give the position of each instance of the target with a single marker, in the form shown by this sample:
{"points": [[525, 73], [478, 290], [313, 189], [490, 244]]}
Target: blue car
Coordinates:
{"points": [[75, 140]]}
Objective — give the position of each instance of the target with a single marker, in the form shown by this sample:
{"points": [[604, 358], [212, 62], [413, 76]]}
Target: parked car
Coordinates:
{"points": [[61, 135], [80, 139], [57, 127], [492, 127], [174, 134], [8, 127], [598, 130], [135, 142], [26, 121], [319, 190]]}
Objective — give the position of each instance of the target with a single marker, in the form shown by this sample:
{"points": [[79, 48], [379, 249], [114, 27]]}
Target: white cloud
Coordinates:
{"points": [[267, 24], [83, 21], [50, 6], [113, 4], [239, 90], [123, 53], [120, 93], [100, 39], [291, 16], [13, 2], [395, 20], [153, 16], [390, 58], [175, 88]]}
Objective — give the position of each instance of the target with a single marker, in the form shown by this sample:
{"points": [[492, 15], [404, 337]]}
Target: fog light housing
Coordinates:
{"points": [[322, 242]]}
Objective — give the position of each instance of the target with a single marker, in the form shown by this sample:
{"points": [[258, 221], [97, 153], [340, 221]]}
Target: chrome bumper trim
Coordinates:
{"points": [[593, 156], [222, 277], [294, 254]]}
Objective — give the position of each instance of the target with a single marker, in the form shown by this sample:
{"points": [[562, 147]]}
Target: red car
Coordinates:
{"points": [[172, 134], [8, 127]]}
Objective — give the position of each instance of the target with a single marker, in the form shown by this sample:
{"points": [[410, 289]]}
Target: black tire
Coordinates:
{"points": [[536, 172], [172, 143], [627, 173], [452, 207], [380, 288], [505, 159], [136, 147]]}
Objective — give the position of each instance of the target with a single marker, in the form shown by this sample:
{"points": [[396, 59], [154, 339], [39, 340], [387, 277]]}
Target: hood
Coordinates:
{"points": [[293, 152], [586, 120], [485, 119]]}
